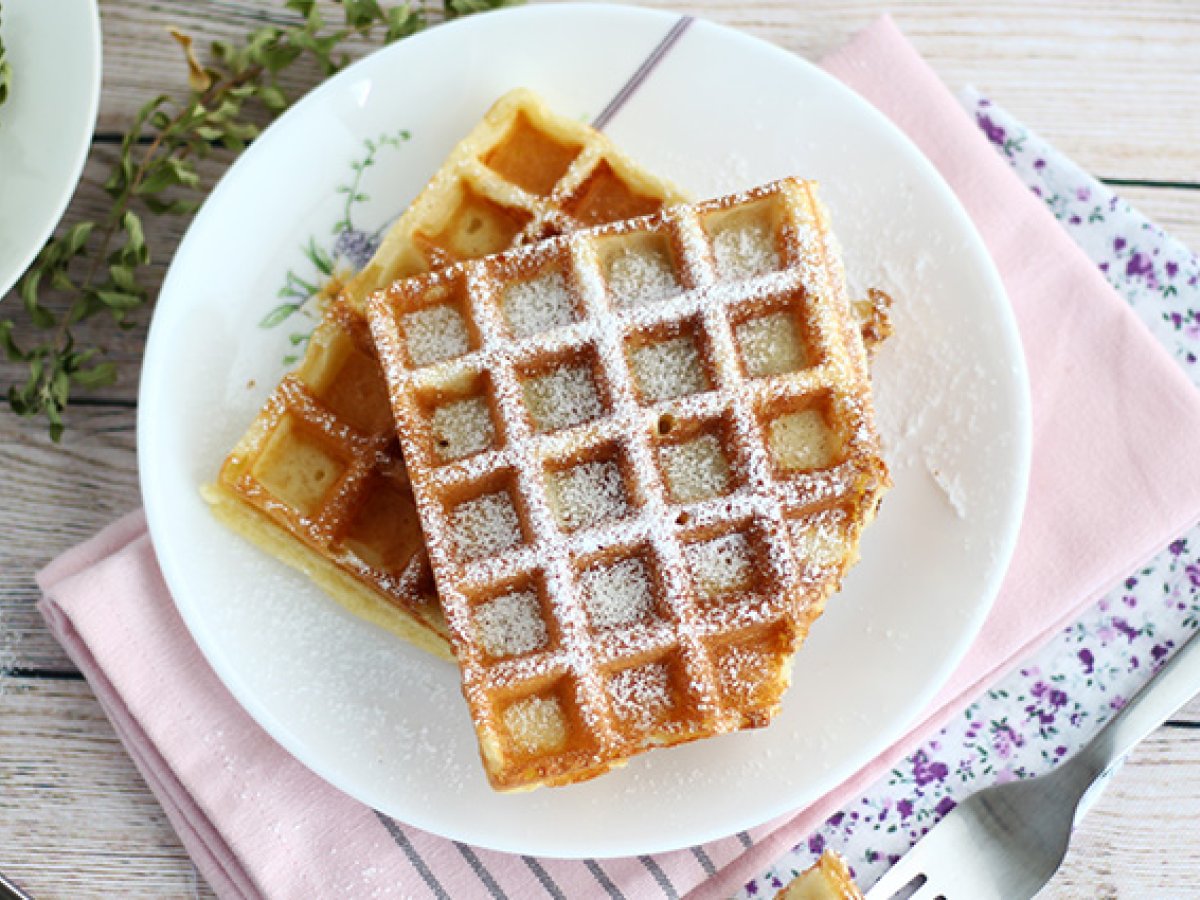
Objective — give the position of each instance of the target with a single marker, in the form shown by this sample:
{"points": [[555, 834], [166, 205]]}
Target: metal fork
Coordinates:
{"points": [[1007, 841]]}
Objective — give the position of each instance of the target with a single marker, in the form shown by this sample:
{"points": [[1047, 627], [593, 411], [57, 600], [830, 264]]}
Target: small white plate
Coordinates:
{"points": [[721, 111], [46, 123]]}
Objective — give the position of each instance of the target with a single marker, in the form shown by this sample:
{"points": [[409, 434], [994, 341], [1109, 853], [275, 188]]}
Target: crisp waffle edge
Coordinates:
{"points": [[349, 593]]}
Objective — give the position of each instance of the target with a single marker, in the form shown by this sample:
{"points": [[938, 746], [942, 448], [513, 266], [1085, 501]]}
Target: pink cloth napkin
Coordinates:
{"points": [[1104, 495]]}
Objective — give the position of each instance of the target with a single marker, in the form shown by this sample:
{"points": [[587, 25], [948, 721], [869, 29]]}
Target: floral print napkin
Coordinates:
{"points": [[1052, 704]]}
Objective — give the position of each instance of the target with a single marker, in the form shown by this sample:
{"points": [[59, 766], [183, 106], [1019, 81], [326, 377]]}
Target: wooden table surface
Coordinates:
{"points": [[1112, 84]]}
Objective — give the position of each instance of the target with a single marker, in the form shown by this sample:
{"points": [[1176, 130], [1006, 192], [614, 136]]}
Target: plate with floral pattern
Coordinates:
{"points": [[715, 111]]}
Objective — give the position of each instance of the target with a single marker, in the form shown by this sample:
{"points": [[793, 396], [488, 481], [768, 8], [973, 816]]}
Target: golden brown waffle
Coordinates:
{"points": [[828, 878], [318, 480], [523, 173], [614, 438]]}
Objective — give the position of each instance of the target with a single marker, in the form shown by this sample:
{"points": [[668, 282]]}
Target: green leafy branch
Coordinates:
{"points": [[100, 267]]}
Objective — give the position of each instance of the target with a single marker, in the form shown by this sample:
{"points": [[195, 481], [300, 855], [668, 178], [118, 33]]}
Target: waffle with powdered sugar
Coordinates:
{"points": [[642, 455], [318, 480]]}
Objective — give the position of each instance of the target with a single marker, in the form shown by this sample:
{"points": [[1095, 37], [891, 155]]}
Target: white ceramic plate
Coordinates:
{"points": [[721, 111], [46, 123]]}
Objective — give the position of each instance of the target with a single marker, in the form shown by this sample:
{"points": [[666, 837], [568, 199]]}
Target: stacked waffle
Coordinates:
{"points": [[640, 445], [318, 480]]}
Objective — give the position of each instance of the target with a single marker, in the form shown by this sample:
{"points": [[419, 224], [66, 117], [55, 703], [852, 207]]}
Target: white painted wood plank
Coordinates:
{"points": [[76, 818], [1112, 83], [1141, 839], [1190, 713], [1178, 211], [53, 498]]}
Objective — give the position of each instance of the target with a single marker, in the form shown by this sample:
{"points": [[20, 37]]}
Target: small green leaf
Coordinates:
{"points": [[362, 14], [122, 277], [28, 291], [321, 260], [11, 350], [305, 7], [121, 301], [278, 314], [76, 237], [180, 206], [273, 98], [99, 375]]}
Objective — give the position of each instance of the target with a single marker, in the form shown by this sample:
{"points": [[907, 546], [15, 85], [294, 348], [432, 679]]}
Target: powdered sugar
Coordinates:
{"points": [[770, 345], [486, 525], [695, 470], [820, 540], [640, 695], [511, 625], [802, 440], [537, 305], [744, 251], [435, 334], [462, 428], [619, 594], [587, 494], [566, 396], [536, 724], [720, 566], [670, 368], [637, 277]]}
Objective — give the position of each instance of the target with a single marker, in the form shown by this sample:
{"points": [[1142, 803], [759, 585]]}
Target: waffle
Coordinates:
{"points": [[828, 878], [318, 480], [524, 173], [615, 439]]}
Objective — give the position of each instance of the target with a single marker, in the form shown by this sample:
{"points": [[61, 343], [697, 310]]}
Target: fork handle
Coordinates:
{"points": [[1166, 692]]}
